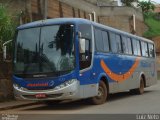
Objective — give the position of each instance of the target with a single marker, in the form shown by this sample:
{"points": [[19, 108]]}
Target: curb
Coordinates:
{"points": [[18, 106]]}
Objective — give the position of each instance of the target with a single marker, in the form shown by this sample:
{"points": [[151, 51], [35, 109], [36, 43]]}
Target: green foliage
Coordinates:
{"points": [[7, 25], [146, 6], [153, 24], [128, 2]]}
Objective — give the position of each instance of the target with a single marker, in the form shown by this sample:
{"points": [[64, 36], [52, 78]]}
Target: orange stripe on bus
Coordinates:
{"points": [[120, 77]]}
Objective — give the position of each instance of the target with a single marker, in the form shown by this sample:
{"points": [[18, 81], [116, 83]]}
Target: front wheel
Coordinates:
{"points": [[102, 94]]}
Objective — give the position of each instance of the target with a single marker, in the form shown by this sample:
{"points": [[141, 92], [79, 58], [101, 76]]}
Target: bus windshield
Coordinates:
{"points": [[48, 49]]}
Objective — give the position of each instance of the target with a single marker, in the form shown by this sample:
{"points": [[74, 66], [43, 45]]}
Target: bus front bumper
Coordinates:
{"points": [[69, 92]]}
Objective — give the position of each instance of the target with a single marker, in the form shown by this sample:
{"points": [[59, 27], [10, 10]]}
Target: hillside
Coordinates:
{"points": [[153, 23]]}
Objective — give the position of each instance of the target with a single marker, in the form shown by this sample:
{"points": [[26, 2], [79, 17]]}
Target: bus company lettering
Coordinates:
{"points": [[37, 85]]}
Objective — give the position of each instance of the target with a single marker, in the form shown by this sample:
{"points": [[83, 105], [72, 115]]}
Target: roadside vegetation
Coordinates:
{"points": [[152, 20], [7, 25]]}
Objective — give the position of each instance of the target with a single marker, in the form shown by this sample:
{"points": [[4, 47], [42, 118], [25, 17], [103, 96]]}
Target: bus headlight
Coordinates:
{"points": [[67, 83], [19, 87]]}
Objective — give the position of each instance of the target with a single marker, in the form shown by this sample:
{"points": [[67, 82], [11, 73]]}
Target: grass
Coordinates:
{"points": [[154, 26]]}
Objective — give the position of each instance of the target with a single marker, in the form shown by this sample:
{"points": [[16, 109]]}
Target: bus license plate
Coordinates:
{"points": [[41, 95]]}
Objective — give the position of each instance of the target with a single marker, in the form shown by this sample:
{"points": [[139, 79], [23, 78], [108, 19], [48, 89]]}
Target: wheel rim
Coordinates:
{"points": [[100, 92], [101, 95]]}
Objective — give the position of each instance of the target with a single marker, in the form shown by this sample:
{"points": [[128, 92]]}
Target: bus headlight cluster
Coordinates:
{"points": [[19, 87], [67, 83]]}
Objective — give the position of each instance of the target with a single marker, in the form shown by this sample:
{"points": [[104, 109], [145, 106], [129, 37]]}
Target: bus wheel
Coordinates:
{"points": [[102, 94], [139, 90]]}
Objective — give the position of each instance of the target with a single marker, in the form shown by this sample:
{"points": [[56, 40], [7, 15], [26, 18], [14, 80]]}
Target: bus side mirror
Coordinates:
{"points": [[5, 49], [4, 53]]}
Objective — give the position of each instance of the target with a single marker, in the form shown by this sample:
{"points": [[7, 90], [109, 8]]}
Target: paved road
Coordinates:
{"points": [[121, 103]]}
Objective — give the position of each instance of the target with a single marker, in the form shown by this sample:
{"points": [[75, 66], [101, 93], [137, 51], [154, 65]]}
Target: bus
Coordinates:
{"points": [[72, 58]]}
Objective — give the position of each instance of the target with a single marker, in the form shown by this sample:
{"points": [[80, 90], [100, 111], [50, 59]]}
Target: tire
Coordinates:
{"points": [[139, 90], [102, 95]]}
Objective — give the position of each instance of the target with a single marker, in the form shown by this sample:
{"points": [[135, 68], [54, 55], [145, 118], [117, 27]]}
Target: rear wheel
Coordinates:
{"points": [[139, 90], [102, 95]]}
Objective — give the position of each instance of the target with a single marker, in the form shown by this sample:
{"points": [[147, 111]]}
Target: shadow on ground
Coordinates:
{"points": [[81, 104]]}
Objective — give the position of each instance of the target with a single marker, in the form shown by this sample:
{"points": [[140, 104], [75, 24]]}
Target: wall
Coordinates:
{"points": [[156, 40], [118, 17], [6, 89]]}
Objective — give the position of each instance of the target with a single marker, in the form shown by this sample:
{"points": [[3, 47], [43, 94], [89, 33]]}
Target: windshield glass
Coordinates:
{"points": [[48, 49]]}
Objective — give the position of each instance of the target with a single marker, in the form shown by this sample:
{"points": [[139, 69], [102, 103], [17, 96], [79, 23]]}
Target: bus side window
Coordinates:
{"points": [[118, 42], [124, 45], [99, 40], [112, 37], [136, 47], [115, 41], [144, 49], [127, 47], [139, 47], [105, 41], [151, 50]]}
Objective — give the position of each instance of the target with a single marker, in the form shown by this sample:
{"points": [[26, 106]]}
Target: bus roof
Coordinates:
{"points": [[54, 21], [76, 21]]}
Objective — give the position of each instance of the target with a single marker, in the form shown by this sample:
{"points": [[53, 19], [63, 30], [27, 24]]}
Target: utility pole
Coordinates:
{"points": [[45, 9]]}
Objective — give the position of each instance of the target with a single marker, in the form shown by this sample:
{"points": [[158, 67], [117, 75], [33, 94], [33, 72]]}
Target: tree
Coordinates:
{"points": [[128, 2], [146, 6], [7, 25]]}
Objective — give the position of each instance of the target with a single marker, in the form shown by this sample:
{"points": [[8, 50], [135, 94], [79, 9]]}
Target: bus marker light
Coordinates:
{"points": [[94, 74], [80, 74]]}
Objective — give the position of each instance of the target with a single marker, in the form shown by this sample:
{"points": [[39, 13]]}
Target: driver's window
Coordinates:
{"points": [[85, 36]]}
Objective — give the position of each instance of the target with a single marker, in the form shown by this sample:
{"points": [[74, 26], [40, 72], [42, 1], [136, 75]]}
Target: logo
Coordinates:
{"points": [[119, 77], [51, 83]]}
